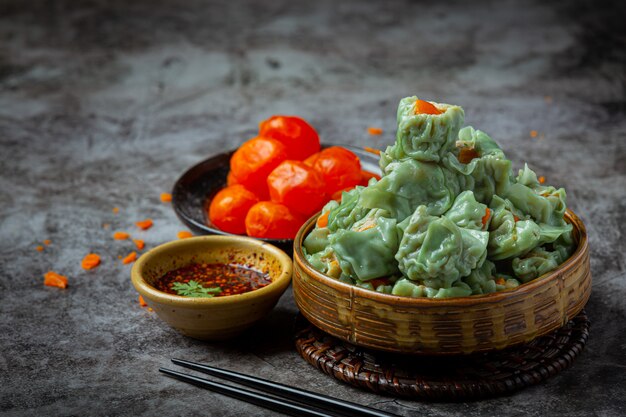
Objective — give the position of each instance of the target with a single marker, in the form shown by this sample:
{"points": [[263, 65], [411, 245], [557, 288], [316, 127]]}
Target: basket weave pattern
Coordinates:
{"points": [[449, 326]]}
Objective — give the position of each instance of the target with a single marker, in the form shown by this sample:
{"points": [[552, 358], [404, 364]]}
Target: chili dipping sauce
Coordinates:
{"points": [[230, 278]]}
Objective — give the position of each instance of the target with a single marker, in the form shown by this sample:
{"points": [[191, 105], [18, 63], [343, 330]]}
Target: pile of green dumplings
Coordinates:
{"points": [[436, 227]]}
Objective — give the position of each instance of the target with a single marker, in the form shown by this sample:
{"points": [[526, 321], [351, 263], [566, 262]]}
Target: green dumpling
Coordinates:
{"points": [[423, 137], [486, 171], [436, 252], [366, 251], [409, 184], [535, 263], [468, 213]]}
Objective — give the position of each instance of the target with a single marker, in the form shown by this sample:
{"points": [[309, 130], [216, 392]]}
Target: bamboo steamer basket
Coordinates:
{"points": [[453, 326]]}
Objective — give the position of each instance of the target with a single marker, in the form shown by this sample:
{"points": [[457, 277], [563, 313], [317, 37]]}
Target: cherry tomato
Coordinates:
{"points": [[366, 175], [339, 193], [295, 133], [229, 207], [254, 160], [230, 179], [339, 167], [297, 186], [271, 220]]}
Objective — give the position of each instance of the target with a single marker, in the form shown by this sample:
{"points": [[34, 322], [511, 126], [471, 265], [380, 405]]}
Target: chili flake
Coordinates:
{"points": [[214, 279]]}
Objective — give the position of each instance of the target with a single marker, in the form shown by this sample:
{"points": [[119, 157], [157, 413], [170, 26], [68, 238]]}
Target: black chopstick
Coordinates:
{"points": [[243, 394], [333, 405]]}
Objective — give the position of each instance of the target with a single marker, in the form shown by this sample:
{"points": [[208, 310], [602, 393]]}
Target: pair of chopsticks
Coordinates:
{"points": [[282, 398]]}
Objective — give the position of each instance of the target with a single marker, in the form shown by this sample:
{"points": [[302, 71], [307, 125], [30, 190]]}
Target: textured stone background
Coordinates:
{"points": [[105, 103]]}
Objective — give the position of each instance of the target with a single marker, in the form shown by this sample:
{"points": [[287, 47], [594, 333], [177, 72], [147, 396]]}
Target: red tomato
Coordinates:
{"points": [[339, 193], [297, 186], [230, 179], [271, 220], [295, 133], [339, 167], [254, 160], [365, 177], [229, 207]]}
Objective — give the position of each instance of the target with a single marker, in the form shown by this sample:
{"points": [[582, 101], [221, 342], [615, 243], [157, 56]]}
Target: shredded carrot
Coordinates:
{"points": [[139, 243], [372, 150], [39, 248], [515, 218], [130, 258], [90, 261], [120, 235], [166, 197], [47, 242], [144, 224], [542, 179], [52, 279], [142, 302], [466, 155], [486, 217], [116, 210], [183, 234], [322, 220], [500, 281], [533, 133], [367, 227], [374, 131], [425, 107]]}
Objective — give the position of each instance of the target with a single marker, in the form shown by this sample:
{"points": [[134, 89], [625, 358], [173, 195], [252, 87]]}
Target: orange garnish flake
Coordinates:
{"points": [[515, 218], [52, 279], [367, 227], [425, 107], [166, 197], [142, 302], [144, 224], [184, 234], [500, 281], [47, 242], [139, 243], [542, 179], [486, 217], [130, 258], [116, 210], [39, 248], [466, 155], [90, 261], [374, 131], [372, 150], [120, 235], [322, 220], [533, 133]]}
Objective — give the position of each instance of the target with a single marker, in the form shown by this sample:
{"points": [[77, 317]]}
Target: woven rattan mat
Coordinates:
{"points": [[457, 378]]}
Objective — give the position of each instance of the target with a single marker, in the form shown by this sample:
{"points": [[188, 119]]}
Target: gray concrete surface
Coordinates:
{"points": [[105, 103]]}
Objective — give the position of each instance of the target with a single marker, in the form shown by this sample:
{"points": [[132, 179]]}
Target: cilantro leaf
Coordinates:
{"points": [[195, 289]]}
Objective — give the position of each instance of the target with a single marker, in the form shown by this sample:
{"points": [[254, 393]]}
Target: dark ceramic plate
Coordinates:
{"points": [[193, 191]]}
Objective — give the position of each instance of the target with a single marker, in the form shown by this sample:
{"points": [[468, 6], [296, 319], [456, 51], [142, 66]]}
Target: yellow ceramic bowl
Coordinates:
{"points": [[449, 326], [220, 317]]}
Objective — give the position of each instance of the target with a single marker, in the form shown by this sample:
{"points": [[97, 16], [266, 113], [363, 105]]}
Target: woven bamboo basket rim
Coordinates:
{"points": [[580, 235], [444, 379]]}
